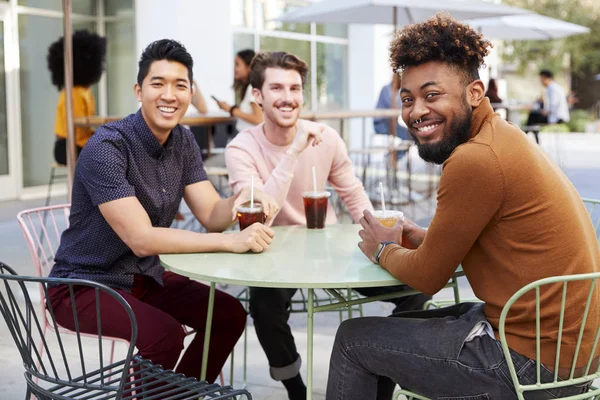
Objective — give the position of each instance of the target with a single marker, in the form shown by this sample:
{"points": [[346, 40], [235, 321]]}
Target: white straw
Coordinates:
{"points": [[252, 191], [382, 199], [314, 171]]}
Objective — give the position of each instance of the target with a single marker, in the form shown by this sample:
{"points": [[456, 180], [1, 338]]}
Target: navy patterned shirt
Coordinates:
{"points": [[124, 159]]}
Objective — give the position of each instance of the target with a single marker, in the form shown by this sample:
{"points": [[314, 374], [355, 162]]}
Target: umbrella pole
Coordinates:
{"points": [[393, 122], [68, 58]]}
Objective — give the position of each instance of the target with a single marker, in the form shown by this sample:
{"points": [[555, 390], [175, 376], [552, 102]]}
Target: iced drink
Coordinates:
{"points": [[248, 215], [315, 208], [389, 217]]}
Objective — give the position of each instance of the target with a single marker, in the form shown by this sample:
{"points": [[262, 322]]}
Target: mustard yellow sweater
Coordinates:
{"points": [[84, 105]]}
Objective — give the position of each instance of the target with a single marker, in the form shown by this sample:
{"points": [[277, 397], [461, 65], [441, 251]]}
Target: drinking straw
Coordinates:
{"points": [[252, 191], [382, 199], [314, 171]]}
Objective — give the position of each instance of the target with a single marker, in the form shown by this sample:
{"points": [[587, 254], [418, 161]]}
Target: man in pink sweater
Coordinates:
{"points": [[281, 153]]}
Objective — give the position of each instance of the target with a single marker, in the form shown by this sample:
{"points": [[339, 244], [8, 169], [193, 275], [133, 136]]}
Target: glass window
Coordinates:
{"points": [[38, 95], [335, 30], [332, 73], [271, 9], [87, 7], [242, 13], [118, 7], [242, 41], [121, 67], [300, 48]]}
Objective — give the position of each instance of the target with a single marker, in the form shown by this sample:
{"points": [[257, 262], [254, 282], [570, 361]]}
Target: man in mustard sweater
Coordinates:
{"points": [[505, 212]]}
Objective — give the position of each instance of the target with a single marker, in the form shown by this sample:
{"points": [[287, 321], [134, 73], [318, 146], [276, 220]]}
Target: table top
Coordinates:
{"points": [[297, 258]]}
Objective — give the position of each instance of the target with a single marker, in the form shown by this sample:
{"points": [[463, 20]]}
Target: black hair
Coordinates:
{"points": [[547, 73], [164, 49], [440, 38], [89, 52], [240, 86]]}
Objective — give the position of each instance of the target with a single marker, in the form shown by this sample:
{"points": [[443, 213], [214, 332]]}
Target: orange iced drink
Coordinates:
{"points": [[389, 217]]}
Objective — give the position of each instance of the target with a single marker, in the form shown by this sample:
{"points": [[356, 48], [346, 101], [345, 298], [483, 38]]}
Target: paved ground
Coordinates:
{"points": [[578, 158]]}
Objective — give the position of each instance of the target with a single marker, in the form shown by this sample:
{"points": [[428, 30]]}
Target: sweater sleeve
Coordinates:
{"points": [[470, 196], [241, 165], [346, 184]]}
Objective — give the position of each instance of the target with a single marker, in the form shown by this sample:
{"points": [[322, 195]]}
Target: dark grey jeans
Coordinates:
{"points": [[426, 352], [270, 309]]}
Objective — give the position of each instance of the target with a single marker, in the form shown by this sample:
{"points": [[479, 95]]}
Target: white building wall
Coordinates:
{"points": [[203, 27]]}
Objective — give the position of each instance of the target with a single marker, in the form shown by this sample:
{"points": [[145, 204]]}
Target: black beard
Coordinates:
{"points": [[458, 133]]}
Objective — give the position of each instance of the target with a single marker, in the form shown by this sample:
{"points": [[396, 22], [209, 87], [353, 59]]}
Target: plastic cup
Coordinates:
{"points": [[249, 215], [389, 217], [315, 208]]}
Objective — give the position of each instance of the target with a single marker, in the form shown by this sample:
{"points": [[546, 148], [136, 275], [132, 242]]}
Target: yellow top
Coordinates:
{"points": [[84, 105]]}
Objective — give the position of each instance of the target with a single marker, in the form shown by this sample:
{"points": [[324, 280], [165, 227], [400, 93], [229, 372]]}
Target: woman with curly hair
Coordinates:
{"points": [[491, 218], [89, 52]]}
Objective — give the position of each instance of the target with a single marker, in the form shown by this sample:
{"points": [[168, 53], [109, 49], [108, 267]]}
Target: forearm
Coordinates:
{"points": [[278, 184], [168, 240], [221, 216]]}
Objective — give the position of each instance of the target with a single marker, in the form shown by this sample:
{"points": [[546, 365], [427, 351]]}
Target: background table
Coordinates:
{"points": [[298, 258]]}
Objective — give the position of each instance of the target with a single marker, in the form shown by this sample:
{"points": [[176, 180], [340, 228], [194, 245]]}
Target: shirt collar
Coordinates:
{"points": [[151, 144], [481, 114]]}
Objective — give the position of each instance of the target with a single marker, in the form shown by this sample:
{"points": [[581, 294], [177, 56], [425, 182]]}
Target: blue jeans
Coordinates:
{"points": [[426, 352]]}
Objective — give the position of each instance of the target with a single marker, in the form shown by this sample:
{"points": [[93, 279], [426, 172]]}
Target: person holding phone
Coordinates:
{"points": [[247, 112]]}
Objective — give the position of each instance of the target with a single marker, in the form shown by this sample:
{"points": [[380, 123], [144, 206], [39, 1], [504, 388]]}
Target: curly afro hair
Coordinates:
{"points": [[89, 51], [440, 38]]}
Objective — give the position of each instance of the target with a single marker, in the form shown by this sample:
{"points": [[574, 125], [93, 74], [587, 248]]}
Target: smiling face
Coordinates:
{"points": [[281, 96], [437, 108], [165, 95]]}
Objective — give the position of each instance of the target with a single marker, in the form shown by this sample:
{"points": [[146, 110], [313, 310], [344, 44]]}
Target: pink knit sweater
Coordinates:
{"points": [[285, 178]]}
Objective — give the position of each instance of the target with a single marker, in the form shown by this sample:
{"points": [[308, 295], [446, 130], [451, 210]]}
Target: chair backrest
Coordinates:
{"points": [[80, 371], [42, 228], [593, 207], [591, 369]]}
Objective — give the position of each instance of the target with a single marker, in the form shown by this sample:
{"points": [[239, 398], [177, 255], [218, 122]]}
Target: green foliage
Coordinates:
{"points": [[578, 120], [555, 128], [583, 49]]}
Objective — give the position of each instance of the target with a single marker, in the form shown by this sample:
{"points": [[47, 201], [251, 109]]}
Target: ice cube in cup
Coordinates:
{"points": [[389, 217]]}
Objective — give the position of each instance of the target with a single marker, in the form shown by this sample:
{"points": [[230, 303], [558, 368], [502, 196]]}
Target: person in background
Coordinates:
{"points": [[556, 107], [198, 99], [89, 52], [382, 125], [247, 112], [492, 93], [536, 116]]}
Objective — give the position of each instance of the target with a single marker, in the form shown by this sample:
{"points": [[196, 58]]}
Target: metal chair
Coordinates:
{"points": [[533, 290], [42, 228], [593, 207], [83, 373]]}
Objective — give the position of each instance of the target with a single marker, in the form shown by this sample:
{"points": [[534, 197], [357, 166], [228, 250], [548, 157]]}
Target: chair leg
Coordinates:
{"points": [[112, 351], [52, 171]]}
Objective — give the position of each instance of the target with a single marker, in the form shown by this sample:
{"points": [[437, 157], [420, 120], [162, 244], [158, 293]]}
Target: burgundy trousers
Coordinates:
{"points": [[160, 312]]}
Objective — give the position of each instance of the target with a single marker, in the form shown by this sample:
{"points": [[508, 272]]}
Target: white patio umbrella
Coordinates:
{"points": [[526, 27], [394, 12]]}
